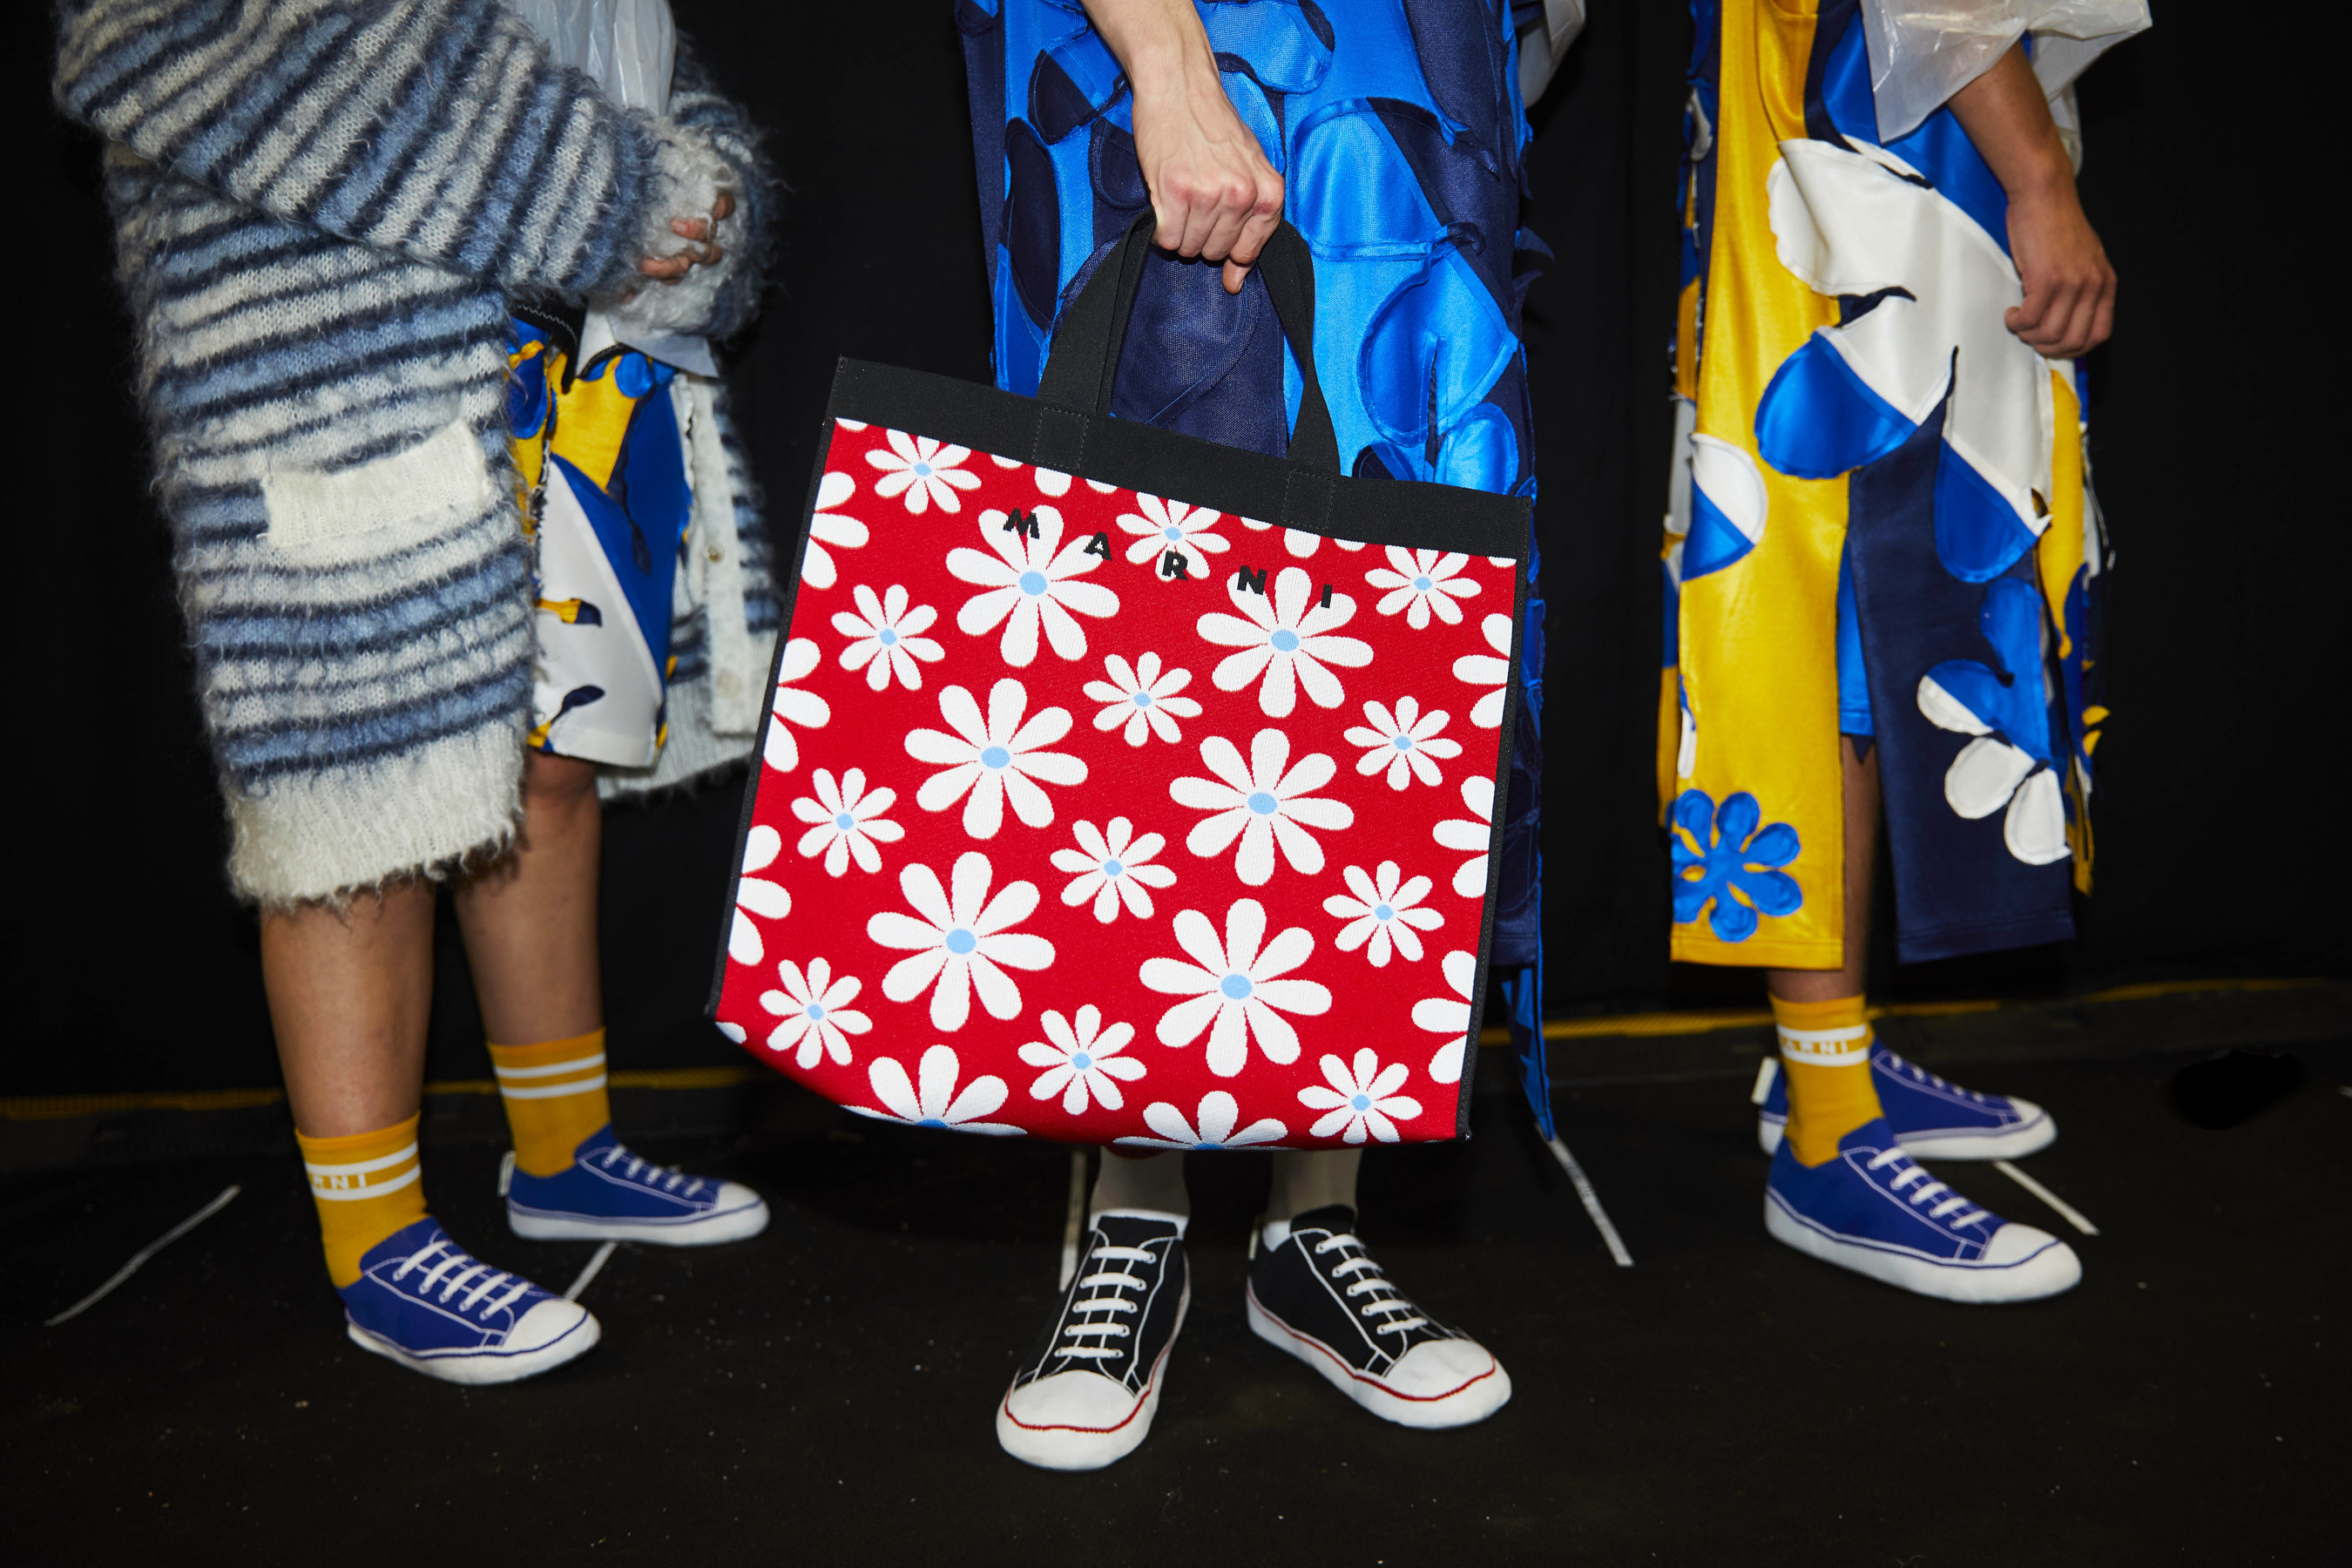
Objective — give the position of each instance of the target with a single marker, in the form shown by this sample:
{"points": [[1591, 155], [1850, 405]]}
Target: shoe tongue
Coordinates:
{"points": [[414, 1236], [1126, 1227], [1873, 1133], [1337, 1218]]}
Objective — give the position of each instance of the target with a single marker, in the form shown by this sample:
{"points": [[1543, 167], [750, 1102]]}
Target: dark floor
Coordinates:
{"points": [[824, 1393]]}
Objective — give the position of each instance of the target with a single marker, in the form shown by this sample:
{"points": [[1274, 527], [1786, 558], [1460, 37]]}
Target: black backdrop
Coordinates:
{"points": [[132, 967]]}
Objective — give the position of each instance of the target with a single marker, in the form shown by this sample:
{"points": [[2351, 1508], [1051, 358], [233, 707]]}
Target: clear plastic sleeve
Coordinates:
{"points": [[1923, 51]]}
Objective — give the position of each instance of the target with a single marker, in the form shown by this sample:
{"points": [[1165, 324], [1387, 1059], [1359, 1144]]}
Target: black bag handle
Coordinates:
{"points": [[1093, 330]]}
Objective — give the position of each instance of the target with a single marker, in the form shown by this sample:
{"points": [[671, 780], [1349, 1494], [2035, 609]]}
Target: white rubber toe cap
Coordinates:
{"points": [[1444, 1382], [549, 1323], [1074, 1421]]}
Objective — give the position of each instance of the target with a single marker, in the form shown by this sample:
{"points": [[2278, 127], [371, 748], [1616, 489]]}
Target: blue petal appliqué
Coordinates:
{"points": [[1720, 853]]}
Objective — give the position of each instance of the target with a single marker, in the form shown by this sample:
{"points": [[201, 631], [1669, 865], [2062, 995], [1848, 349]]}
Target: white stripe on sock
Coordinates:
{"points": [[327, 1194], [1826, 1048], [581, 1064], [362, 1167], [555, 1090]]}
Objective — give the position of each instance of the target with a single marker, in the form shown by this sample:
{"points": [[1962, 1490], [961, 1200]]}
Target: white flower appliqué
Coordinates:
{"points": [[1362, 1099], [1111, 868], [816, 1015], [1081, 1061], [1382, 914], [961, 941], [806, 709], [1495, 670], [994, 758], [1404, 740], [829, 527], [1449, 1015], [756, 895], [924, 470], [847, 819], [1031, 579], [1299, 542], [885, 638], [1261, 806], [1217, 1117], [1236, 989], [933, 1101], [1171, 529], [1473, 835], [1420, 581], [1142, 698], [1286, 642]]}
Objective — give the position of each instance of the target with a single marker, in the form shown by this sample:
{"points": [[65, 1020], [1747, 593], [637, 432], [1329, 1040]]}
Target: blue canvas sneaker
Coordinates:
{"points": [[1876, 1210], [1933, 1118], [607, 1193], [422, 1302]]}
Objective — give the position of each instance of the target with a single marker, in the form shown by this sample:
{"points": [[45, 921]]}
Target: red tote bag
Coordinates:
{"points": [[1119, 786]]}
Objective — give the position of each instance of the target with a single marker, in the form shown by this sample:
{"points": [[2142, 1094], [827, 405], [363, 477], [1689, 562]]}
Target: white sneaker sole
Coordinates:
{"points": [[2048, 1272], [1090, 1447], [2009, 1144], [734, 1225], [487, 1367], [1472, 1402]]}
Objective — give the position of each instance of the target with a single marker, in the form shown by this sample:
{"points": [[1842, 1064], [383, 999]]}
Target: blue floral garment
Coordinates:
{"points": [[1397, 127]]}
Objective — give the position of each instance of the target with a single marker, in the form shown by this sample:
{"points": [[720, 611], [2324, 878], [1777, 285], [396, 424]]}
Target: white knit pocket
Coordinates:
{"points": [[443, 480]]}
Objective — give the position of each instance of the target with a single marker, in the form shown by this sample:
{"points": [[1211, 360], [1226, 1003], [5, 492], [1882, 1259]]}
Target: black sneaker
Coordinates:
{"points": [[1085, 1397], [1320, 1297]]}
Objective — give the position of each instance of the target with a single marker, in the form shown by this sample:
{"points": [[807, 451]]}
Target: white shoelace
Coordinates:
{"points": [[646, 1172], [465, 1269], [1921, 1074], [1117, 1282], [1914, 1171], [1386, 1298]]}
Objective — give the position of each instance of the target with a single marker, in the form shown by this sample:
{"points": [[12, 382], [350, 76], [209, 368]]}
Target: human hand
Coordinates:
{"points": [[706, 252], [2070, 287], [1213, 192]]}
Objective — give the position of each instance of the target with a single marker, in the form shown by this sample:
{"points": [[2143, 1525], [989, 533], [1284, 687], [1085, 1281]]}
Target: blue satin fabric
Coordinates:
{"points": [[1397, 127]]}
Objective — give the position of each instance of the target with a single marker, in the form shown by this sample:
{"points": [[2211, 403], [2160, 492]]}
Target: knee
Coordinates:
{"points": [[558, 783]]}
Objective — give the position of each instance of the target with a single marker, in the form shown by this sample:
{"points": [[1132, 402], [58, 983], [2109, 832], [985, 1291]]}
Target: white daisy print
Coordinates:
{"points": [[1404, 740], [1111, 867], [817, 1017], [1261, 806], [994, 758], [829, 527], [933, 1100], [1236, 987], [962, 942], [847, 819], [1420, 581], [1050, 481], [1362, 1099], [1082, 1061], [1211, 1127], [1482, 669], [806, 709], [1449, 1015], [1285, 641], [1142, 696], [1030, 582], [1299, 542], [1384, 913], [885, 638], [1473, 835], [927, 472], [1169, 528], [756, 895]]}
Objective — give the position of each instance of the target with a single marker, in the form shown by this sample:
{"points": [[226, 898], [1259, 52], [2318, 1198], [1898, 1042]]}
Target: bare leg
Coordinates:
{"points": [[1140, 1181], [1861, 783], [529, 921], [1312, 1180], [348, 994]]}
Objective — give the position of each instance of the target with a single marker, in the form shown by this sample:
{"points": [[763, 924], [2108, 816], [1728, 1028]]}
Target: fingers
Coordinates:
{"points": [[724, 207], [691, 227], [1264, 219]]}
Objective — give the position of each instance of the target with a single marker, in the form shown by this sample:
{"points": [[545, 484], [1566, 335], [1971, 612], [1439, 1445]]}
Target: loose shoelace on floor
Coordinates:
{"points": [[646, 1173], [1912, 1171], [466, 1267], [1921, 1074], [1108, 1306], [1386, 1298]]}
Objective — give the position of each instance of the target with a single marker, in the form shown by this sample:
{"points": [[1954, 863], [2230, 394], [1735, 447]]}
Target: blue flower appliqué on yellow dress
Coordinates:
{"points": [[1720, 853]]}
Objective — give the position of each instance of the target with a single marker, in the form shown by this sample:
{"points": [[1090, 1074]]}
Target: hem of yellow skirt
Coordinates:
{"points": [[1758, 954]]}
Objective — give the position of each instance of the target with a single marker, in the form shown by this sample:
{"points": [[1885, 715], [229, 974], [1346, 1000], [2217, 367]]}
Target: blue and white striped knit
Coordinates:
{"points": [[323, 209]]}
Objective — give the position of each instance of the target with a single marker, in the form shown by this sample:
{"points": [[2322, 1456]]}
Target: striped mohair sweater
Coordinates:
{"points": [[323, 209]]}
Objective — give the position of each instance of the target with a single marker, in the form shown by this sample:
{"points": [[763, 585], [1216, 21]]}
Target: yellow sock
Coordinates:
{"points": [[366, 1186], [555, 1097], [1825, 1051]]}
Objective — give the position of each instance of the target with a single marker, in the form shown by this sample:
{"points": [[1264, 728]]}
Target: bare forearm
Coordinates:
{"points": [[2008, 118], [1159, 43]]}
